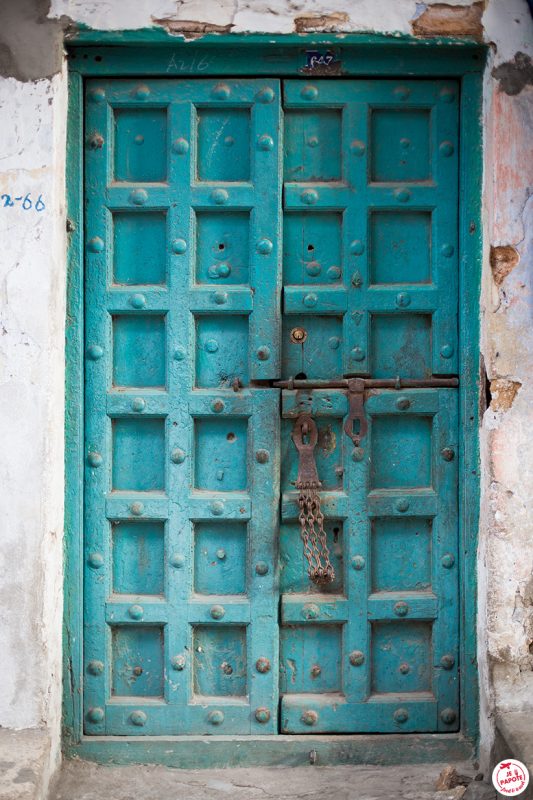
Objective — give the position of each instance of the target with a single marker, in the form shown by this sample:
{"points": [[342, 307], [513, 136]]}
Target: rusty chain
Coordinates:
{"points": [[311, 518]]}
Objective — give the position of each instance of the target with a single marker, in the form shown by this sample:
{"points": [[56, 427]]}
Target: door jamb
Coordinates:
{"points": [[363, 55]]}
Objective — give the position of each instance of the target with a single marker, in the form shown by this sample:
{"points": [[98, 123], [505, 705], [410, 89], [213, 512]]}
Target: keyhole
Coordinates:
{"points": [[221, 246], [335, 535], [356, 426]]}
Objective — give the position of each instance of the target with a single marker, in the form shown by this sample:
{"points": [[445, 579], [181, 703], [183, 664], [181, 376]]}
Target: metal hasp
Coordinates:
{"points": [[311, 518]]}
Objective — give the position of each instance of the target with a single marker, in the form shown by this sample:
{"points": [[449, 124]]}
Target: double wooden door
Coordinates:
{"points": [[239, 234]]}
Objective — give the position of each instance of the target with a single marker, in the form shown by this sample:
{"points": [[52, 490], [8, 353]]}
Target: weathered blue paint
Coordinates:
{"points": [[293, 578]]}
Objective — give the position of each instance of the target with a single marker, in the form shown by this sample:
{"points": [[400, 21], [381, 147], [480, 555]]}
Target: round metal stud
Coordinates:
{"points": [[403, 299], [95, 352], [137, 508], [95, 560], [357, 247], [402, 92], [262, 714], [358, 454], [142, 92], [138, 197], [401, 715], [137, 301], [264, 246], [358, 563], [262, 456], [358, 354], [179, 246], [404, 669], [446, 149], [447, 560], [95, 245], [177, 560], [139, 139], [220, 298], [402, 505], [448, 716], [446, 351], [357, 147], [95, 667], [357, 280], [179, 354], [217, 508], [309, 717], [265, 95], [223, 270], [334, 273], [263, 353], [403, 403], [447, 94], [404, 143], [448, 454], [312, 141], [219, 196], [217, 612], [309, 92], [136, 612], [334, 342], [178, 662], [217, 405], [447, 661], [401, 609], [221, 554], [221, 91], [138, 404], [95, 715], [310, 611], [309, 197], [313, 268], [211, 346], [262, 665], [97, 95], [178, 456], [95, 459], [356, 658], [447, 250], [265, 142], [261, 568], [138, 718], [310, 300], [216, 717], [402, 195], [180, 146]]}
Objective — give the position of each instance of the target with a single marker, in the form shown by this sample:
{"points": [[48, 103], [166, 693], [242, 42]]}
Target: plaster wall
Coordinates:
{"points": [[32, 314]]}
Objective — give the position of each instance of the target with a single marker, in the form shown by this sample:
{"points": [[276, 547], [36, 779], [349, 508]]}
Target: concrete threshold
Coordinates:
{"points": [[514, 739], [82, 780]]}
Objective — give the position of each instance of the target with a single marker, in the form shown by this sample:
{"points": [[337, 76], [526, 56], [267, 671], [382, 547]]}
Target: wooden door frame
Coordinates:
{"points": [[155, 53]]}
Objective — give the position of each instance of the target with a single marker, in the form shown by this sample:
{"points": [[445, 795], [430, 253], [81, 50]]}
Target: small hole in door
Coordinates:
{"points": [[310, 248], [300, 376], [231, 437], [221, 246]]}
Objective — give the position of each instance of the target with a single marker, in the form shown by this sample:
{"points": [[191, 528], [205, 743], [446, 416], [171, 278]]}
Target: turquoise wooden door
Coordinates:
{"points": [[204, 200]]}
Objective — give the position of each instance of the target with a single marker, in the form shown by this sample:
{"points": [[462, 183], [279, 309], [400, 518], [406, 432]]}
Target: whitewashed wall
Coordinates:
{"points": [[32, 311]]}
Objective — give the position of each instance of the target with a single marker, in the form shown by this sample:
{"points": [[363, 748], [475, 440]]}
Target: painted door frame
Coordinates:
{"points": [[153, 52]]}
